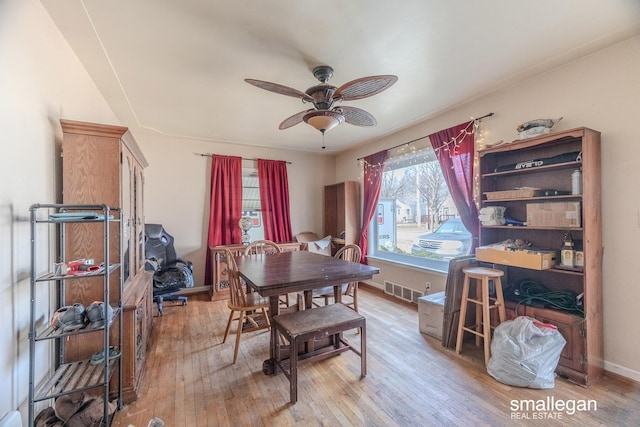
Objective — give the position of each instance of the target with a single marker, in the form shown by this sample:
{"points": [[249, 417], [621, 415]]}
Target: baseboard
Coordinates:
{"points": [[622, 371], [373, 284], [194, 290], [379, 290]]}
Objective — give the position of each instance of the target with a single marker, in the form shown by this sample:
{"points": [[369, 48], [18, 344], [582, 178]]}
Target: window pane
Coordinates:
{"points": [[250, 190], [251, 202], [416, 221]]}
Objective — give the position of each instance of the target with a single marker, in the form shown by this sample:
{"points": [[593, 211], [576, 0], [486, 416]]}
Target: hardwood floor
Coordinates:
{"points": [[411, 380]]}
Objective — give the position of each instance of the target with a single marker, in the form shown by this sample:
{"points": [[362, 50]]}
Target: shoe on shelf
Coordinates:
{"points": [[69, 318], [98, 356], [95, 314]]}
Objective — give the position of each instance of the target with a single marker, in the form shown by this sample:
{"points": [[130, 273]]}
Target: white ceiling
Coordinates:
{"points": [[177, 67]]}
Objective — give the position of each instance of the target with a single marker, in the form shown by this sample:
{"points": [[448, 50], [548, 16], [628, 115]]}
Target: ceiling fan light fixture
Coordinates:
{"points": [[324, 116], [323, 120]]}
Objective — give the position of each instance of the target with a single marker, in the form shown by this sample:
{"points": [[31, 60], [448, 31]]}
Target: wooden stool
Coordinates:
{"points": [[482, 328]]}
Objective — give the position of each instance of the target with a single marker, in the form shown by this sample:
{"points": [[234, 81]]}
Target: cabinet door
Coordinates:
{"points": [[127, 215], [139, 216], [571, 328], [141, 338]]}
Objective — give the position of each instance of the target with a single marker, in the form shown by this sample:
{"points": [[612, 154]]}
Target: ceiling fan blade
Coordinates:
{"points": [[293, 120], [356, 116], [282, 90], [364, 87]]}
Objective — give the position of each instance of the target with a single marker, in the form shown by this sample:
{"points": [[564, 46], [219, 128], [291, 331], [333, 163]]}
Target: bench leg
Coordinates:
{"points": [[293, 370], [363, 350]]}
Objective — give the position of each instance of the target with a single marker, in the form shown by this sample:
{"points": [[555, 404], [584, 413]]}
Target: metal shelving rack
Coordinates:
{"points": [[77, 375]]}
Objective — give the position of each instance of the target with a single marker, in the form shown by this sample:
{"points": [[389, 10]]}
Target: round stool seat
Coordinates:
{"points": [[480, 272]]}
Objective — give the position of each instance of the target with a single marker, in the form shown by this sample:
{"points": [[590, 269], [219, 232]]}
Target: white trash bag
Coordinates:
{"points": [[525, 353]]}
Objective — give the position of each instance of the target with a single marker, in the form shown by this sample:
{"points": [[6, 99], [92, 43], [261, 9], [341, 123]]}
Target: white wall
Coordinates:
{"points": [[41, 81], [177, 189], [602, 92]]}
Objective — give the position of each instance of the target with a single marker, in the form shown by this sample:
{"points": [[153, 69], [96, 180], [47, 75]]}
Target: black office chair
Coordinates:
{"points": [[171, 273]]}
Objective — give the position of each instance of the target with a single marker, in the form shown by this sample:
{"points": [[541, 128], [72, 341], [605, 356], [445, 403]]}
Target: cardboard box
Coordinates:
{"points": [[535, 260], [431, 314], [554, 214]]}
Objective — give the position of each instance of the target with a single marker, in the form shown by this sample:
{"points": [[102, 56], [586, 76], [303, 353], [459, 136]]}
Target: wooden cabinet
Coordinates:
{"points": [[103, 164], [220, 279], [342, 212], [528, 163], [570, 326]]}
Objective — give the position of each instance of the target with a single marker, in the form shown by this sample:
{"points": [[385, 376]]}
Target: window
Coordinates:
{"points": [[417, 221], [251, 202]]}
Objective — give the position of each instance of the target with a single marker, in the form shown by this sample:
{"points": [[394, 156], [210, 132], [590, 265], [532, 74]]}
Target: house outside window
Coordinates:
{"points": [[417, 222], [251, 202]]}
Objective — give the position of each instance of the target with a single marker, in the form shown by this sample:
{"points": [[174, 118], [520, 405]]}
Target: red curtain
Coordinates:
{"points": [[373, 169], [455, 149], [274, 199], [226, 205]]}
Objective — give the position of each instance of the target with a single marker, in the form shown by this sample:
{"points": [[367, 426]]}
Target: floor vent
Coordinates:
{"points": [[402, 292]]}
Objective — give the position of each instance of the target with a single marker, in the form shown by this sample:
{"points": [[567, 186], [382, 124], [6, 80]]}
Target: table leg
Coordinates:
{"points": [[337, 299], [269, 365], [308, 300]]}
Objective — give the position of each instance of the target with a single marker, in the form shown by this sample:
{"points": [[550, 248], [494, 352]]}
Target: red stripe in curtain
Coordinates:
{"points": [[226, 205], [455, 149], [274, 199], [373, 169]]}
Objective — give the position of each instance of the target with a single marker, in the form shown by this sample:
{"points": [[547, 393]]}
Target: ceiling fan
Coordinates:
{"points": [[325, 116]]}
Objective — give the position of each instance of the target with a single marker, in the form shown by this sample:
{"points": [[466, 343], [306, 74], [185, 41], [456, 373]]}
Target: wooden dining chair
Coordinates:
{"points": [[249, 307], [262, 247], [351, 253], [266, 247]]}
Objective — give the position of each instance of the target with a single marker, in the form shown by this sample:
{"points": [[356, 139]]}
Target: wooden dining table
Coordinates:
{"points": [[272, 275]]}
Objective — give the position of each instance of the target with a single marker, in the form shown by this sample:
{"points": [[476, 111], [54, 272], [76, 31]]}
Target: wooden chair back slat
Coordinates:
{"points": [[262, 247]]}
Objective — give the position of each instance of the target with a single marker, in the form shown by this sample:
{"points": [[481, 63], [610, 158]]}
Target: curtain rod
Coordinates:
{"points": [[426, 136], [243, 158]]}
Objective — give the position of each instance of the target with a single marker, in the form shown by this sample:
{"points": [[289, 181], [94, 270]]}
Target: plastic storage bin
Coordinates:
{"points": [[431, 314]]}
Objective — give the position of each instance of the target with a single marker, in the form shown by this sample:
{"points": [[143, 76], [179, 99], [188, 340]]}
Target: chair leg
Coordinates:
{"points": [[479, 297], [226, 332], [502, 314], [355, 297], [486, 320], [285, 299], [266, 316], [238, 335]]}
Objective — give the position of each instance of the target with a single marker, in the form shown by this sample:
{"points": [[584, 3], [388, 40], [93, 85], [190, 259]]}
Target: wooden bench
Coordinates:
{"points": [[313, 324]]}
